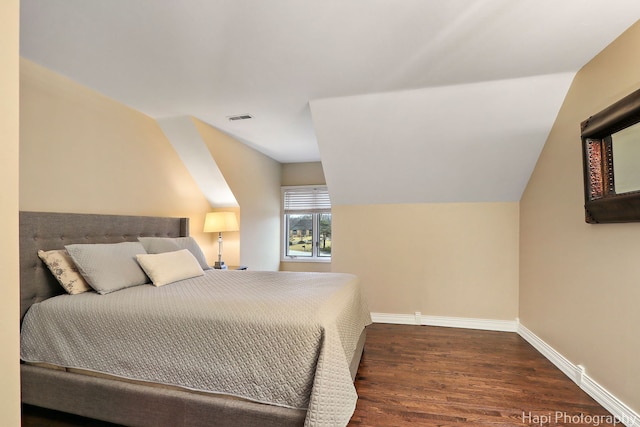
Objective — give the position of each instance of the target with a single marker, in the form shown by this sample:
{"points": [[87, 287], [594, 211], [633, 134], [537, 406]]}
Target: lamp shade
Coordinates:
{"points": [[216, 222]]}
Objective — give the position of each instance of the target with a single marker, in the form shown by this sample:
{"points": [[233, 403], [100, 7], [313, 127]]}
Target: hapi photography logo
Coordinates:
{"points": [[559, 418]]}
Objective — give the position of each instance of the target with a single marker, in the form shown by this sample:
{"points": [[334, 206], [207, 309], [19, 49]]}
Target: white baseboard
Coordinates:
{"points": [[623, 414], [396, 319], [574, 372], [577, 374], [449, 322]]}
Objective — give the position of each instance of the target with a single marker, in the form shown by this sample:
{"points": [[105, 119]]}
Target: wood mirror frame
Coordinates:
{"points": [[602, 203]]}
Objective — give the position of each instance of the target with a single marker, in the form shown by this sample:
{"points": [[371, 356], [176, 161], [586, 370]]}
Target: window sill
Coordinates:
{"points": [[302, 259]]}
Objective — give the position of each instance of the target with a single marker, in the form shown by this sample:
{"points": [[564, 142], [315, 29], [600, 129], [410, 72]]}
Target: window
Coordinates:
{"points": [[307, 223]]}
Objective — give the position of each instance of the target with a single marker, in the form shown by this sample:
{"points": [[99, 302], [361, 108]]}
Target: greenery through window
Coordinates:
{"points": [[307, 223]]}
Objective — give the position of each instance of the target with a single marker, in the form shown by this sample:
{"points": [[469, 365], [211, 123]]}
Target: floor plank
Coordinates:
{"points": [[445, 377]]}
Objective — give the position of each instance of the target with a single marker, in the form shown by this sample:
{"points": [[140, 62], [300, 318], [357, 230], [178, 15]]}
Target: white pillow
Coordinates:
{"points": [[169, 267]]}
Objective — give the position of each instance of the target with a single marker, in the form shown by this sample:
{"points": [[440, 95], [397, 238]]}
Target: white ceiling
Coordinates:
{"points": [[402, 100]]}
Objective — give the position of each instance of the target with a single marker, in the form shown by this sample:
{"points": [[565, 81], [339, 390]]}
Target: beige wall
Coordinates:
{"points": [[322, 267], [308, 173], [83, 152], [9, 276], [580, 283], [454, 260], [254, 180]]}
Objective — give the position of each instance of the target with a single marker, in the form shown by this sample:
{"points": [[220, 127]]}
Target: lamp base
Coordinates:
{"points": [[220, 265]]}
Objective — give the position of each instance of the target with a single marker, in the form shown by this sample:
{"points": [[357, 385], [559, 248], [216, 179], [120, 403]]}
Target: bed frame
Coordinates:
{"points": [[111, 400]]}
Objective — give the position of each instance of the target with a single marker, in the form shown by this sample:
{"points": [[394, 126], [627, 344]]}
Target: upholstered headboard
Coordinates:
{"points": [[46, 231]]}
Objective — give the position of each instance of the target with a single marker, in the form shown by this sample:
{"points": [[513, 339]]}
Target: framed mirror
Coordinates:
{"points": [[611, 162]]}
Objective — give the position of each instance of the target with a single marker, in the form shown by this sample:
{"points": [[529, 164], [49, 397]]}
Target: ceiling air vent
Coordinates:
{"points": [[240, 117]]}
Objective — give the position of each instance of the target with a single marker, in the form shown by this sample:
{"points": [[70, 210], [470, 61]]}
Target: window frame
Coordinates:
{"points": [[315, 215]]}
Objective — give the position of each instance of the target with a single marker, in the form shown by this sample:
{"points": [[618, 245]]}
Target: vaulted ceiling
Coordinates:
{"points": [[402, 101]]}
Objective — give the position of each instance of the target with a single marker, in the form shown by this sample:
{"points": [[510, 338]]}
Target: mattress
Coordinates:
{"points": [[278, 338]]}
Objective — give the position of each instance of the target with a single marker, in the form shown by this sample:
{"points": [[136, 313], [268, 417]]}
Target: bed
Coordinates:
{"points": [[302, 372]]}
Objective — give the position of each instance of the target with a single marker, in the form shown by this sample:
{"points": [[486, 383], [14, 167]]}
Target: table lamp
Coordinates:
{"points": [[219, 222]]}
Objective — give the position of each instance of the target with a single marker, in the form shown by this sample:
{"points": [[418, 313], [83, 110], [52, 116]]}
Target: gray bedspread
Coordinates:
{"points": [[279, 338]]}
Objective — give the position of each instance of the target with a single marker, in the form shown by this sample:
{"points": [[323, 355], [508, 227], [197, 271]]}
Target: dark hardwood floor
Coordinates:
{"points": [[430, 376]]}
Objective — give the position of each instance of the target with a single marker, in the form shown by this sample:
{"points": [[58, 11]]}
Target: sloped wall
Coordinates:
{"points": [[83, 152], [254, 180], [580, 283]]}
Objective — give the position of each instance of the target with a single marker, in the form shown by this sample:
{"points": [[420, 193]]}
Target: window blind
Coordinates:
{"points": [[306, 199]]}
